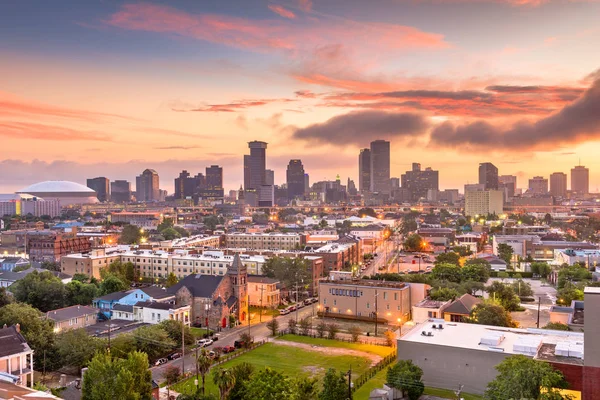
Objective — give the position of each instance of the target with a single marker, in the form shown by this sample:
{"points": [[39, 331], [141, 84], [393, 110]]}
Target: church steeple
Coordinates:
{"points": [[238, 274]]}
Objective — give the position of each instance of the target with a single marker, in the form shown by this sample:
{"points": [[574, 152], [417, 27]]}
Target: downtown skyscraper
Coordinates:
{"points": [[295, 179], [101, 186], [364, 170], [258, 191], [380, 166], [147, 186], [580, 180], [488, 176], [558, 184]]}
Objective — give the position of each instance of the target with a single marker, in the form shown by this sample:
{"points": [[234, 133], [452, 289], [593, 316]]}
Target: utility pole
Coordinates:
{"points": [[350, 383], [109, 329], [262, 289], [375, 312], [459, 391], [183, 344], [197, 372], [248, 316], [539, 306], [44, 373]]}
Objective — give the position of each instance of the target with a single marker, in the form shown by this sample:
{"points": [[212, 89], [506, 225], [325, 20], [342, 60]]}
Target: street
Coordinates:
{"points": [[258, 331]]}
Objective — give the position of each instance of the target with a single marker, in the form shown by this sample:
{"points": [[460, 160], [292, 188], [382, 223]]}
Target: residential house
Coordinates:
{"points": [[263, 291], [427, 309], [74, 317], [10, 391], [124, 312], [460, 309], [10, 263], [16, 357], [7, 278], [130, 297], [155, 312]]}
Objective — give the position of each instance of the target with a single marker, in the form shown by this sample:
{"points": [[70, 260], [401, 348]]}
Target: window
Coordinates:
{"points": [[335, 302], [432, 314], [385, 295], [395, 296], [152, 316], [368, 305]]}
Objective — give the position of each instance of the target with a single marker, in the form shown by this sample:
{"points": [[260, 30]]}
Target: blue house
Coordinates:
{"points": [[10, 263], [106, 303]]}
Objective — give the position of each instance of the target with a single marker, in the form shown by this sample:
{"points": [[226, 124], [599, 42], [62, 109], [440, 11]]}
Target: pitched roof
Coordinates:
{"points": [[66, 313], [114, 296], [199, 285], [262, 279], [12, 342], [156, 305], [463, 305], [123, 307], [155, 292]]}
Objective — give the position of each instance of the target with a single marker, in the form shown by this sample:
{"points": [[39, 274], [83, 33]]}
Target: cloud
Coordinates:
{"points": [[307, 94], [305, 5], [361, 127], [28, 130], [233, 106], [281, 11], [178, 147], [576, 122]]}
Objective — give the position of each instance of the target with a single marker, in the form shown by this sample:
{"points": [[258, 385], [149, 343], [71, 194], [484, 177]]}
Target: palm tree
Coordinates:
{"points": [[225, 380], [203, 364]]}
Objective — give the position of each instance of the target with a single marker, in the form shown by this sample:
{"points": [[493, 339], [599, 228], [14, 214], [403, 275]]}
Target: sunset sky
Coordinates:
{"points": [[108, 88]]}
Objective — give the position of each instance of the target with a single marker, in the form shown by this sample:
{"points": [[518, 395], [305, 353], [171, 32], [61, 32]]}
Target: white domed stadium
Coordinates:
{"points": [[68, 193]]}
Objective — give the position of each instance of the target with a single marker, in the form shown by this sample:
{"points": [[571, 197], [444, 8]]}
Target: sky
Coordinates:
{"points": [[110, 88]]}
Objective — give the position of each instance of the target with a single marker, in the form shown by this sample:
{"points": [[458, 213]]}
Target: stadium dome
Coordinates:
{"points": [[68, 193]]}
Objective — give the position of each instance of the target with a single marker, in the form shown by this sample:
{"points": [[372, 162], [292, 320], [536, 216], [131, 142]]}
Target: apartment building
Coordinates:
{"points": [[51, 246], [263, 292], [146, 220], [266, 241], [16, 357]]}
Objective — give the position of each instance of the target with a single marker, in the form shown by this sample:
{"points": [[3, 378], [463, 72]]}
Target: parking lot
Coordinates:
{"points": [[411, 263]]}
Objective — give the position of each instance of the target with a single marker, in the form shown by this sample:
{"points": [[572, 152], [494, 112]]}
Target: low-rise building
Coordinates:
{"points": [[146, 220], [7, 278], [263, 291], [51, 246], [460, 309], [260, 240], [590, 257], [106, 303], [16, 357], [427, 309], [10, 263], [155, 312], [74, 317]]}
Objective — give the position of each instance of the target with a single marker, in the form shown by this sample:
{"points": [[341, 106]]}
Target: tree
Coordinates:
{"points": [[173, 329], [76, 348], [521, 377], [273, 326], [569, 274], [211, 222], [367, 211], [225, 380], [462, 251], [448, 258], [170, 234], [321, 328], [112, 284], [390, 338], [165, 224], [269, 384], [131, 234], [443, 294], [335, 386], [503, 294], [413, 242], [171, 375], [110, 378], [305, 325], [80, 293], [557, 326], [182, 231], [447, 272], [491, 314], [292, 325], [38, 332], [289, 271], [566, 295], [41, 290], [171, 280], [203, 364], [522, 288], [406, 377], [304, 388], [505, 252], [242, 373], [354, 333], [541, 268], [476, 270], [332, 331], [124, 271], [5, 297], [472, 287], [154, 341]]}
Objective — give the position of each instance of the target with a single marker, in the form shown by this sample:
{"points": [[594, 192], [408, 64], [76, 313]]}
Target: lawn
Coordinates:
{"points": [[378, 381], [367, 348], [199, 332], [288, 360]]}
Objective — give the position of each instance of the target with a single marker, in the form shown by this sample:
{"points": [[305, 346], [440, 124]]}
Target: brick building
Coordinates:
{"points": [[51, 246]]}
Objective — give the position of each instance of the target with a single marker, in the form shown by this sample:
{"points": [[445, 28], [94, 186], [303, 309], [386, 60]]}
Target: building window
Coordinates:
{"points": [[368, 305], [432, 314], [395, 296]]}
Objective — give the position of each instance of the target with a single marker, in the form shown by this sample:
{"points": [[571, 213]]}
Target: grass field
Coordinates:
{"points": [[367, 348], [291, 361]]}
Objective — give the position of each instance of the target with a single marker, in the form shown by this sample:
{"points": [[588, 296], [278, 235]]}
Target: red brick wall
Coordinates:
{"points": [[573, 374], [591, 383]]}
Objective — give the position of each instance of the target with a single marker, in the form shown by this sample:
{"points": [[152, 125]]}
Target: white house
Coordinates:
{"points": [[155, 313]]}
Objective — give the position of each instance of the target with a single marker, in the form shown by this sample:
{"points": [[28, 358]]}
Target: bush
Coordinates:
{"points": [[355, 333], [273, 326], [321, 328], [292, 326], [332, 331]]}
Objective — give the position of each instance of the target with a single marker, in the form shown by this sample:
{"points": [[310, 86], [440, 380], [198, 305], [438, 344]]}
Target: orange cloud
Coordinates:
{"points": [[25, 130], [305, 5], [283, 12], [233, 106]]}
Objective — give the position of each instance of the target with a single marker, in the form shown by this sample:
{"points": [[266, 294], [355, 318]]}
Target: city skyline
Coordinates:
{"points": [[122, 87]]}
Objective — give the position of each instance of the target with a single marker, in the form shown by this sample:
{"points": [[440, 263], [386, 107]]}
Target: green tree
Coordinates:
{"points": [[491, 314], [569, 274], [212, 221], [354, 333], [503, 294], [505, 252], [131, 234], [521, 377], [203, 363], [110, 378], [557, 326], [182, 231], [413, 242], [448, 258], [76, 348], [476, 270], [38, 332], [269, 384], [78, 293], [447, 272], [443, 294], [471, 287], [171, 374], [170, 234], [242, 373], [173, 329], [273, 326], [566, 295], [406, 377], [522, 288], [112, 284], [304, 388], [335, 386], [289, 271], [332, 331], [154, 341], [462, 251], [42, 290], [225, 380], [541, 268], [5, 297], [171, 280], [165, 224]]}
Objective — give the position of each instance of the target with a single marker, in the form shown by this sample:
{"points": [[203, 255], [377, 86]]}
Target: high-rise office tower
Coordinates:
{"points": [[214, 177], [395, 183], [120, 191], [306, 183], [417, 182], [538, 185], [295, 179], [351, 187], [580, 180], [508, 183], [147, 186], [255, 165], [101, 186], [488, 175], [380, 166], [269, 177], [364, 170], [558, 184]]}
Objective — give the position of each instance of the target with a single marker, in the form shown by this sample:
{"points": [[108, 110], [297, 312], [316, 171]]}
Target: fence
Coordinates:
{"points": [[361, 380], [298, 332]]}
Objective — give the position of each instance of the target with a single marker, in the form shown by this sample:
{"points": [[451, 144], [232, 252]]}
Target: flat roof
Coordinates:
{"points": [[500, 340], [366, 283], [592, 290]]}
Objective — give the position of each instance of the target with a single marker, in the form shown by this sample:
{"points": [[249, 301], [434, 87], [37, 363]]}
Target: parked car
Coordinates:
{"points": [[160, 361], [300, 305], [174, 356], [204, 342], [228, 349], [285, 311], [215, 337], [212, 354]]}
